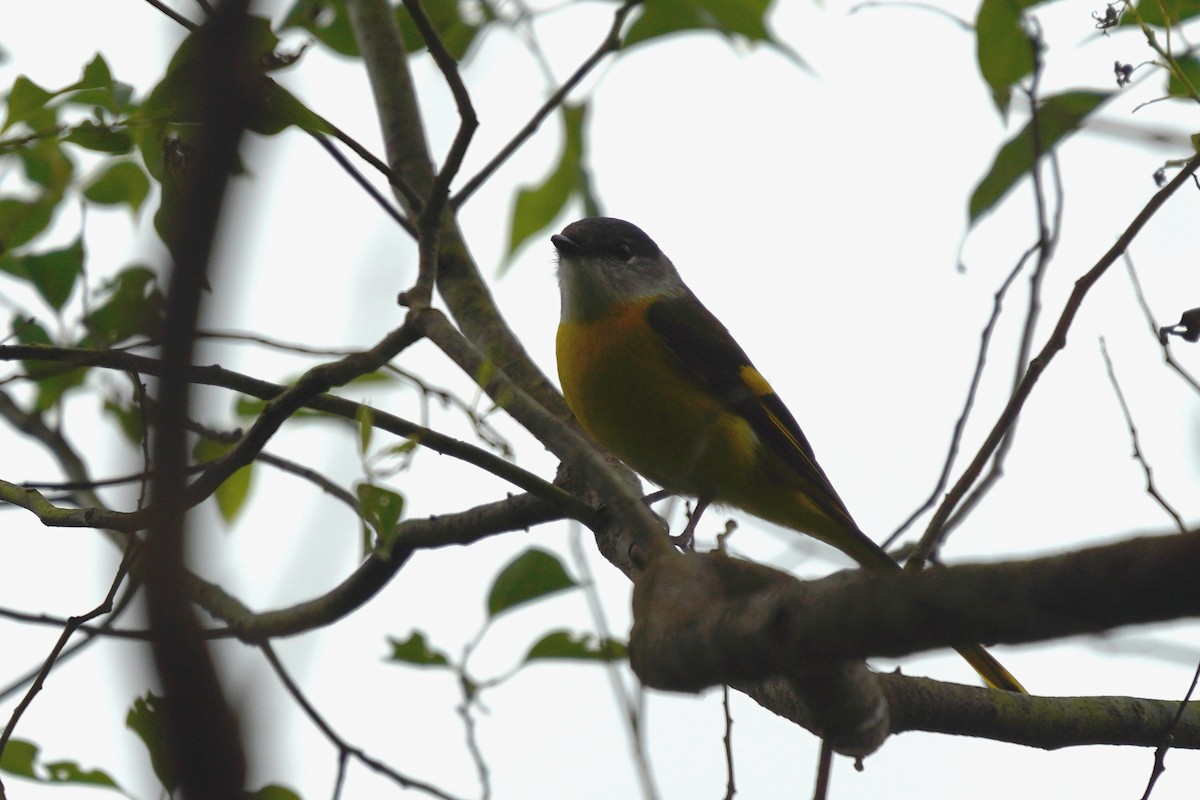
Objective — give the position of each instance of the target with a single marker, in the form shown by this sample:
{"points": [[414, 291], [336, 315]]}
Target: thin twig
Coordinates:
{"points": [[218, 376], [1044, 247], [430, 222], [486, 432], [960, 424], [941, 12], [1168, 356], [1160, 752], [611, 44], [730, 783], [90, 634], [343, 747], [73, 623], [173, 14], [824, 770], [629, 715], [366, 185], [1056, 342], [481, 767], [1140, 457]]}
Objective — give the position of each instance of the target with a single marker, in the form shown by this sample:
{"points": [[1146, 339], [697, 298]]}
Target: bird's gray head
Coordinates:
{"points": [[604, 262]]}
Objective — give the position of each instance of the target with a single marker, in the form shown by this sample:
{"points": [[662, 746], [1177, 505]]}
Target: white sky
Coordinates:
{"points": [[820, 215]]}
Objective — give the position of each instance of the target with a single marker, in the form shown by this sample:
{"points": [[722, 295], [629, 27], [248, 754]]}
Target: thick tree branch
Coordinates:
{"points": [[202, 728], [458, 278], [1049, 723], [708, 619]]}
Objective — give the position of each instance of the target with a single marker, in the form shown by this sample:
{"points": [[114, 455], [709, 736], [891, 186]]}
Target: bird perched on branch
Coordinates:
{"points": [[659, 381]]}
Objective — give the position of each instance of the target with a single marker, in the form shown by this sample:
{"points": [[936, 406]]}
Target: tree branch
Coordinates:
{"points": [[347, 409], [707, 619], [458, 279], [611, 44], [1057, 341]]}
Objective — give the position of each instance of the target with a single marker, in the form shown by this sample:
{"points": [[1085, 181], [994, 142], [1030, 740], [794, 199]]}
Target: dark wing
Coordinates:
{"points": [[710, 354]]}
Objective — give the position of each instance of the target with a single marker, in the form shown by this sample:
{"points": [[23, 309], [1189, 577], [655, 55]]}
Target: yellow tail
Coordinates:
{"points": [[991, 670], [867, 553]]}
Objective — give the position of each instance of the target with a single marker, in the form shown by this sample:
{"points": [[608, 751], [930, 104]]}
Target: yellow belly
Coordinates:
{"points": [[631, 393]]}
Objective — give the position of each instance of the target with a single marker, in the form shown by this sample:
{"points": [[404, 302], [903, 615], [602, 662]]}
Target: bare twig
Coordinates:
{"points": [[1168, 356], [366, 185], [90, 634], [960, 424], [173, 14], [888, 4], [430, 223], [1151, 489], [1056, 342], [481, 767], [486, 432], [824, 771], [347, 409], [611, 44], [1160, 752], [629, 710], [727, 740], [344, 749], [1044, 248], [69, 629]]}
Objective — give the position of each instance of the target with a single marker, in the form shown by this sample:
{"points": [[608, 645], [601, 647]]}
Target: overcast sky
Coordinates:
{"points": [[821, 214]]}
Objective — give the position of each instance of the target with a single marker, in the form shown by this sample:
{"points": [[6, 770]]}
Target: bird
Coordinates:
{"points": [[656, 379]]}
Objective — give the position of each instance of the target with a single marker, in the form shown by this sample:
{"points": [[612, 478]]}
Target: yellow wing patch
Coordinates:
{"points": [[754, 379]]}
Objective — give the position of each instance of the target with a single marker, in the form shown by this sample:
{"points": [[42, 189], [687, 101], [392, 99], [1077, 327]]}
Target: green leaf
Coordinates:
{"points": [[279, 109], [48, 166], [327, 20], [414, 650], [455, 33], [71, 772], [365, 417], [21, 221], [231, 494], [576, 647], [175, 98], [744, 20], [122, 183], [96, 87], [1151, 12], [1190, 66], [1002, 48], [25, 100], [148, 719], [52, 273], [329, 23], [1058, 117], [530, 576], [381, 509], [272, 792], [130, 305], [537, 207], [20, 758], [100, 138], [129, 418]]}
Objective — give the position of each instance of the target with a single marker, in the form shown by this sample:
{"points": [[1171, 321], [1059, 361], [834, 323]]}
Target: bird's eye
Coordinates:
{"points": [[623, 252]]}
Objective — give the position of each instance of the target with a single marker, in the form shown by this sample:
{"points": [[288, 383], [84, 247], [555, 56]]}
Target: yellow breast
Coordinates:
{"points": [[632, 394]]}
